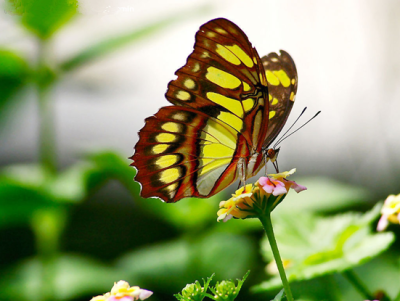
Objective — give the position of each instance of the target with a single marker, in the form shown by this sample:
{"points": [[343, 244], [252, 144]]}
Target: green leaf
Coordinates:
{"points": [[186, 215], [13, 76], [167, 265], [22, 193], [227, 289], [117, 42], [280, 296], [336, 196], [161, 264], [72, 277], [314, 246], [44, 17], [194, 291], [27, 188]]}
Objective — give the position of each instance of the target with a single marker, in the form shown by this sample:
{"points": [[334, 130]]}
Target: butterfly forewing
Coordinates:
{"points": [[222, 78], [221, 116]]}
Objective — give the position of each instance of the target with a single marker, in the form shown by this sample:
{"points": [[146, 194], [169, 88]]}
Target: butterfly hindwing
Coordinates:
{"points": [[282, 87]]}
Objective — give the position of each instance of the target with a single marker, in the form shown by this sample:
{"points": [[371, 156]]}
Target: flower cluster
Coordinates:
{"points": [[390, 212], [121, 291], [252, 200]]}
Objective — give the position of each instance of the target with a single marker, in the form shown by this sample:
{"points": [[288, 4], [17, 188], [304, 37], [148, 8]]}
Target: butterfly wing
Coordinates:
{"points": [[282, 87], [220, 117], [183, 152], [225, 79]]}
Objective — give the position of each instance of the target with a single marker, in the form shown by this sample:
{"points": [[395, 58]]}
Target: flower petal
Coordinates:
{"points": [[382, 224], [144, 294], [279, 189], [297, 187]]}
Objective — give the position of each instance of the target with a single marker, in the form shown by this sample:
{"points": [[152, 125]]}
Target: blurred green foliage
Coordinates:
{"points": [[69, 234]]}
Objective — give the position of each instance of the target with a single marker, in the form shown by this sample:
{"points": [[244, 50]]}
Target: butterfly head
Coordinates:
{"points": [[272, 154]]}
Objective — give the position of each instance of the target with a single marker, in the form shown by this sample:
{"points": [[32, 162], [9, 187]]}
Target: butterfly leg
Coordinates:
{"points": [[242, 171], [265, 162]]}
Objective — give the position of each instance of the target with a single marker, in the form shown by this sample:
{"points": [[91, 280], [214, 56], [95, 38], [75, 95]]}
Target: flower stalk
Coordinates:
{"points": [[267, 224], [258, 201]]}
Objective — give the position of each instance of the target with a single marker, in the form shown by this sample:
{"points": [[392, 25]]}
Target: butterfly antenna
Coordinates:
{"points": [[280, 139], [283, 138]]}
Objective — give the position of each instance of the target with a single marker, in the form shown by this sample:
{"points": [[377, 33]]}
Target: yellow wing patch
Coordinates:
{"points": [[165, 137], [231, 120], [227, 55], [159, 148], [283, 78], [239, 52], [166, 161], [222, 78], [170, 175], [183, 95], [189, 83], [271, 114], [228, 103], [172, 127], [271, 78]]}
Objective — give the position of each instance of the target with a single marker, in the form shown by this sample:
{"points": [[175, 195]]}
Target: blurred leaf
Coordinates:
{"points": [[280, 296], [323, 195], [108, 165], [13, 75], [22, 194], [43, 17], [114, 43], [188, 214], [315, 246], [164, 264], [170, 265], [220, 253], [73, 277], [27, 188], [388, 269]]}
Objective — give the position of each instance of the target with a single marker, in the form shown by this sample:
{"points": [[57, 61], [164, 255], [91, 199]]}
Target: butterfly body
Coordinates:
{"points": [[228, 107]]}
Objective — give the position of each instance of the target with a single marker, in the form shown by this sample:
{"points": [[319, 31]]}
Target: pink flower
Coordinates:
{"points": [[121, 291], [254, 200], [272, 186]]}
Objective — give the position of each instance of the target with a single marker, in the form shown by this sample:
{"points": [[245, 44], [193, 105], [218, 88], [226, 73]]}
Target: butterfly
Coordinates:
{"points": [[228, 107]]}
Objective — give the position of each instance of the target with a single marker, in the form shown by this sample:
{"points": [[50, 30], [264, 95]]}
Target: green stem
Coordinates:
{"points": [[358, 285], [267, 223], [46, 224], [47, 149]]}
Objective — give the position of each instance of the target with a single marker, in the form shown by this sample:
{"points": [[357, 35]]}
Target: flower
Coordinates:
{"points": [[390, 212], [252, 200], [235, 206], [121, 291]]}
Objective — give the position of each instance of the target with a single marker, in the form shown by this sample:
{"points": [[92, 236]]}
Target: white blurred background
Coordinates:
{"points": [[347, 57]]}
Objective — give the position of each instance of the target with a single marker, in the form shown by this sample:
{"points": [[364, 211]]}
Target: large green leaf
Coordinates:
{"points": [[315, 246]]}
